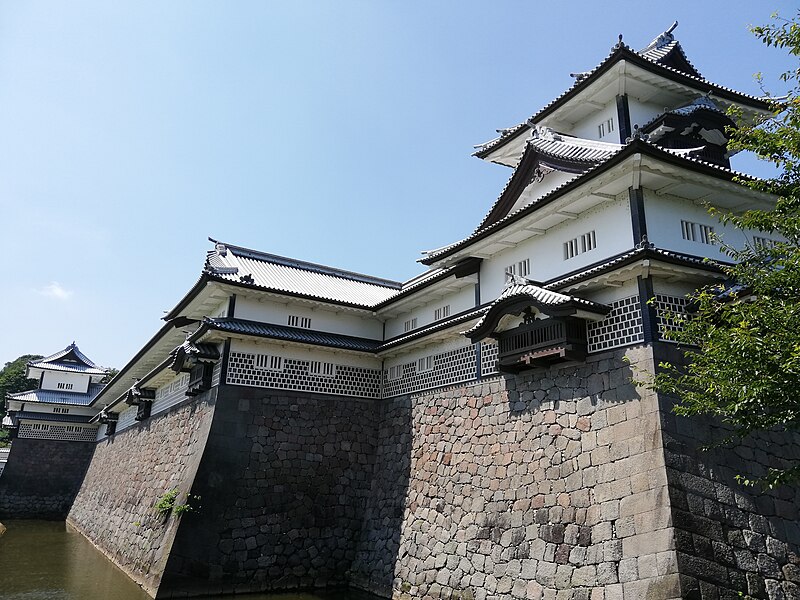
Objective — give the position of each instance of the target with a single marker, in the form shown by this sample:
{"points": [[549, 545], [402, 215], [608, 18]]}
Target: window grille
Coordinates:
{"points": [[297, 321], [59, 409], [580, 244], [605, 127], [441, 312], [410, 324], [425, 364], [64, 386], [322, 369], [521, 268], [697, 232], [763, 242], [269, 362], [395, 372]]}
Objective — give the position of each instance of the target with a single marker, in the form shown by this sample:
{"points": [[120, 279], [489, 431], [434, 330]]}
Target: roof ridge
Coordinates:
{"points": [[510, 132], [285, 261], [73, 347]]}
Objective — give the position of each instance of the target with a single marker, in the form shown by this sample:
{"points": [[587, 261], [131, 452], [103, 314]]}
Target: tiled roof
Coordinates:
{"points": [[544, 142], [523, 289], [648, 56], [433, 328], [632, 256], [697, 104], [571, 148], [188, 350], [292, 334], [271, 272], [59, 396], [69, 359], [42, 416]]}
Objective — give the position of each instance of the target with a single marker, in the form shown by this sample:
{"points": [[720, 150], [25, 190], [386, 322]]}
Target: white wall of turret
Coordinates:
{"points": [[309, 316], [600, 125], [538, 190], [611, 224], [642, 113], [438, 308], [65, 381], [681, 225]]}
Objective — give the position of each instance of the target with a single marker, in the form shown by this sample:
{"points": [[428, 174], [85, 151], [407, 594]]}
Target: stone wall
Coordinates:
{"points": [[284, 483], [42, 477], [730, 539], [562, 483], [130, 471], [548, 485]]}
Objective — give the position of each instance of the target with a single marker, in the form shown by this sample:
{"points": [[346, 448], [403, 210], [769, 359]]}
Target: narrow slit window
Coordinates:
{"points": [[297, 321], [521, 268], [395, 372], [763, 242], [584, 243], [441, 313], [269, 362], [322, 369], [410, 324], [697, 232]]}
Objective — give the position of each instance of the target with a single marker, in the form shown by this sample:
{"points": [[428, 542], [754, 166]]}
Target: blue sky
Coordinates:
{"points": [[335, 132]]}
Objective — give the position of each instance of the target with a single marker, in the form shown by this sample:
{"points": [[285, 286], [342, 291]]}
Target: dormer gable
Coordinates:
{"points": [[549, 160], [700, 124]]}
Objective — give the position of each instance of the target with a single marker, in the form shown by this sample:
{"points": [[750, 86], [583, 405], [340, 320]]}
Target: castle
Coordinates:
{"points": [[474, 432]]}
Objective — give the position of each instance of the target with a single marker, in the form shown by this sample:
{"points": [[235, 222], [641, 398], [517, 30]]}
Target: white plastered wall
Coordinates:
{"points": [[643, 112], [588, 127], [331, 355], [343, 322], [79, 381], [611, 222], [414, 353], [460, 301], [664, 215], [538, 190]]}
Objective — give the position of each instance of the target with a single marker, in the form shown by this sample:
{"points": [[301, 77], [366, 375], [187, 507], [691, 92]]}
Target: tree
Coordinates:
{"points": [[13, 380], [744, 365], [110, 374]]}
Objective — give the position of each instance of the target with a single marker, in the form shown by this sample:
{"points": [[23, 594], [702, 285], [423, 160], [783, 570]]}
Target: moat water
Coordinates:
{"points": [[45, 560]]}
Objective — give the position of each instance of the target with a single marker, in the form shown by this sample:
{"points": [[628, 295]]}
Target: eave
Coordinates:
{"points": [[641, 157], [621, 57]]}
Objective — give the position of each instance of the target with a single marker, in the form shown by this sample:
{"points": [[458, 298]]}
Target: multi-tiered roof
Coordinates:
{"points": [[633, 144]]}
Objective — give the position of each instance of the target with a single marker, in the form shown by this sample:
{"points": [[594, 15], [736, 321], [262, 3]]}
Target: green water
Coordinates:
{"points": [[44, 560]]}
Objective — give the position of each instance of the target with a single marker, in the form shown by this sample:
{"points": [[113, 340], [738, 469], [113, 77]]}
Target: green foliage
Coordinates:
{"points": [[167, 504], [110, 373], [12, 376], [745, 365], [13, 380]]}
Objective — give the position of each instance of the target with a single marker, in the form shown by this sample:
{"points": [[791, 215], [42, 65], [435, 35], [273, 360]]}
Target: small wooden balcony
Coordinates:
{"points": [[542, 343]]}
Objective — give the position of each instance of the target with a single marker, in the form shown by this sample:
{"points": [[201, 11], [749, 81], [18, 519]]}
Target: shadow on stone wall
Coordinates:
{"points": [[285, 482], [730, 538], [373, 568]]}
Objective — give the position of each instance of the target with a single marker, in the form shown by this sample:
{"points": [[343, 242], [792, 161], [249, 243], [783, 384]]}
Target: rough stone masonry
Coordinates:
{"points": [[562, 483]]}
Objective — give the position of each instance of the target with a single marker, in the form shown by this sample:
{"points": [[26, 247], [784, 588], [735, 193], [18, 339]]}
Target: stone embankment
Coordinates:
{"points": [[563, 483], [41, 478], [130, 471]]}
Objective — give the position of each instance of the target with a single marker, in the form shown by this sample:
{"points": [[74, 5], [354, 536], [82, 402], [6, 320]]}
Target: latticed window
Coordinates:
{"points": [[580, 244], [697, 232]]}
